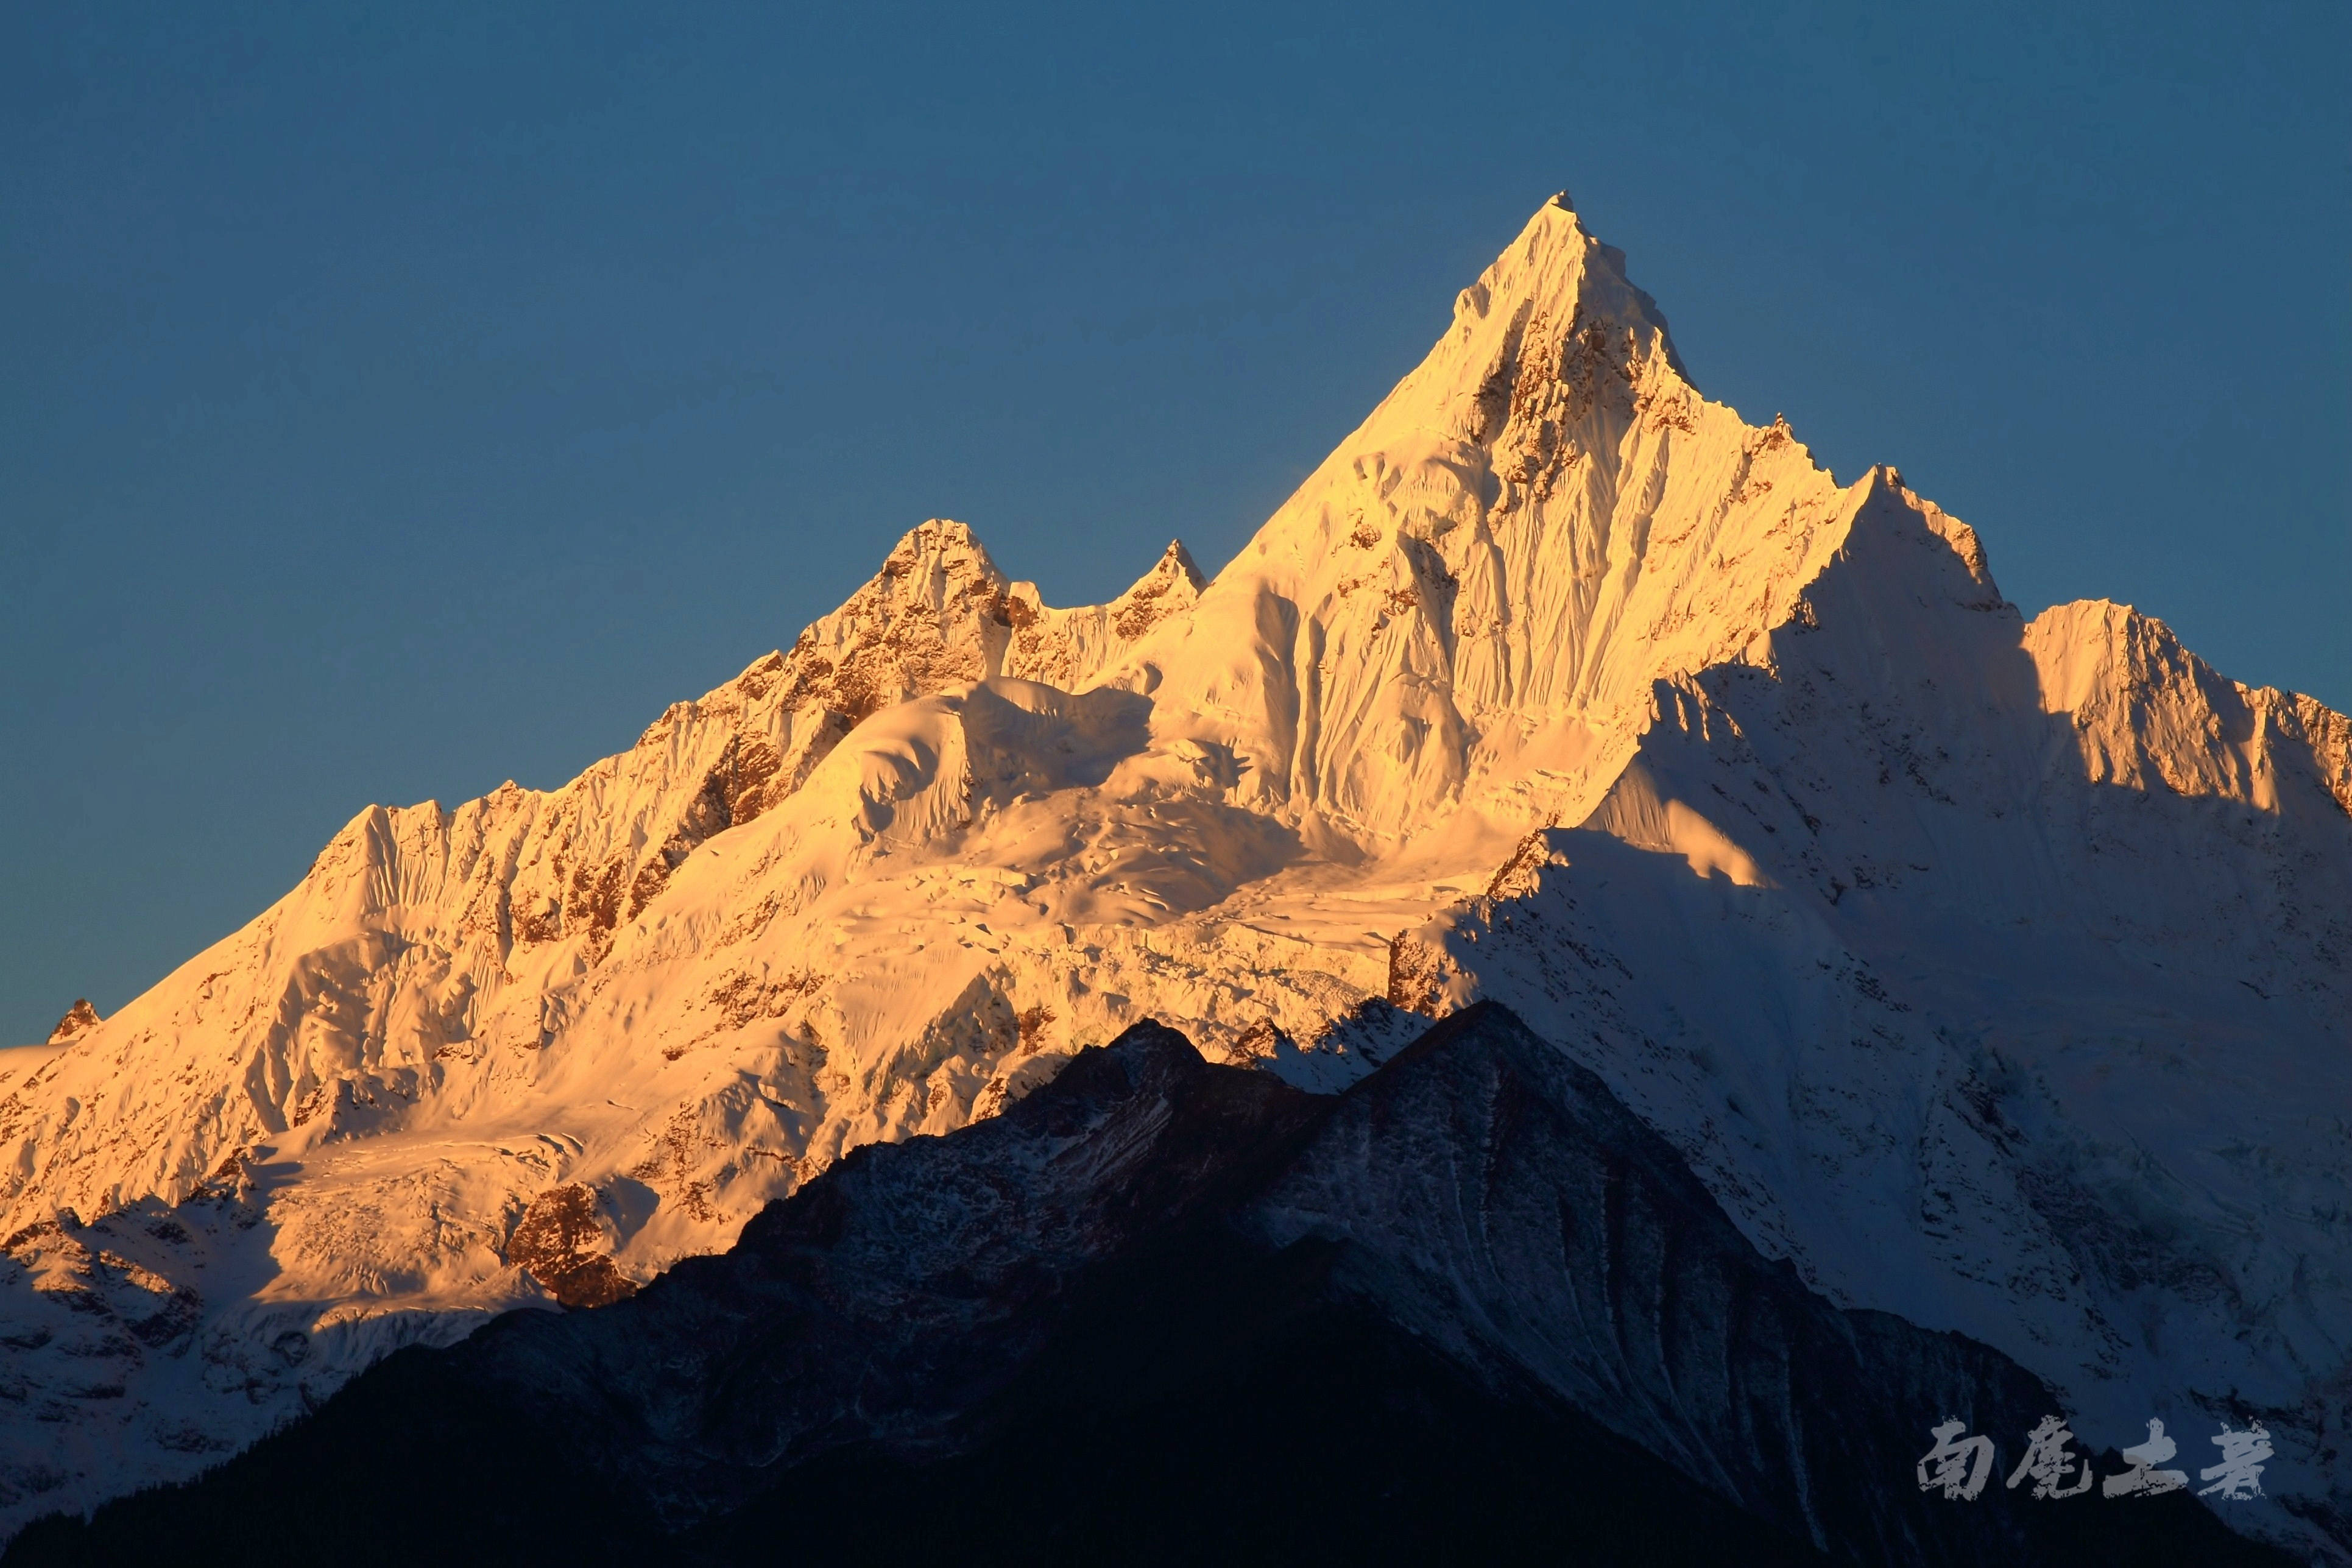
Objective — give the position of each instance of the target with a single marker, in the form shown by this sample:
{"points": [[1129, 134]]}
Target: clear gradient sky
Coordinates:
{"points": [[397, 400]]}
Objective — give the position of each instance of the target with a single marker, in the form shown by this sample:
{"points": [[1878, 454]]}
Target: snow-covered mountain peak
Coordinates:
{"points": [[1864, 891], [1069, 649], [2150, 714], [1556, 296], [1543, 519], [1176, 563]]}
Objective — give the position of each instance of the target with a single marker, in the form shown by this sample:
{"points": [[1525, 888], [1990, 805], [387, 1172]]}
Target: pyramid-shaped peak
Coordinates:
{"points": [[1172, 584], [1175, 562], [938, 536], [940, 555], [1556, 216], [1555, 303], [1557, 264]]}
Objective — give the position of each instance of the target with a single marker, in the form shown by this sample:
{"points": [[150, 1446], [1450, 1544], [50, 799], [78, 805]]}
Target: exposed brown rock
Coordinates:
{"points": [[1031, 1022], [560, 1244], [1260, 1040], [742, 998], [1518, 877], [1418, 972], [78, 1017]]}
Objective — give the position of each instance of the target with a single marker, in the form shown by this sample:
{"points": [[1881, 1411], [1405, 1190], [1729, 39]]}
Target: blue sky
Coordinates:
{"points": [[397, 401]]}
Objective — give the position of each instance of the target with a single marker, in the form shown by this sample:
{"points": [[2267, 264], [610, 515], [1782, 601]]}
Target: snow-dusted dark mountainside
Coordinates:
{"points": [[1990, 972], [1038, 1337]]}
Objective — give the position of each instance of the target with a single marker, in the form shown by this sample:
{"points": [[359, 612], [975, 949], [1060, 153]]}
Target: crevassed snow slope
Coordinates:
{"points": [[1994, 973]]}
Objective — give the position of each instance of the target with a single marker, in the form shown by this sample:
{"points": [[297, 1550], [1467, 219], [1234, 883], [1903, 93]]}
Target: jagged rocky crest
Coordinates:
{"points": [[1988, 971]]}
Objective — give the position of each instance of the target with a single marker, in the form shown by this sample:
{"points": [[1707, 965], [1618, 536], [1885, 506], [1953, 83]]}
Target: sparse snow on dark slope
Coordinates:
{"points": [[1162, 1310]]}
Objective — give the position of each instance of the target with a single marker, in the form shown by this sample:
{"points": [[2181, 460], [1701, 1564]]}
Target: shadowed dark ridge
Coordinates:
{"points": [[1166, 1312]]}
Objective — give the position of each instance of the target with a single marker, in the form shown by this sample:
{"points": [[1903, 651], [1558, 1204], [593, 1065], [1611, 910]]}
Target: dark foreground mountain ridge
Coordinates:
{"points": [[1165, 1312]]}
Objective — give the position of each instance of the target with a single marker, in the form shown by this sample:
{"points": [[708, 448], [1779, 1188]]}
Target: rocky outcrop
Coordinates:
{"points": [[82, 1016], [564, 1244]]}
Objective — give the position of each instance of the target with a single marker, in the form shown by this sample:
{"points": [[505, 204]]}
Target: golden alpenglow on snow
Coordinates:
{"points": [[1995, 974]]}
